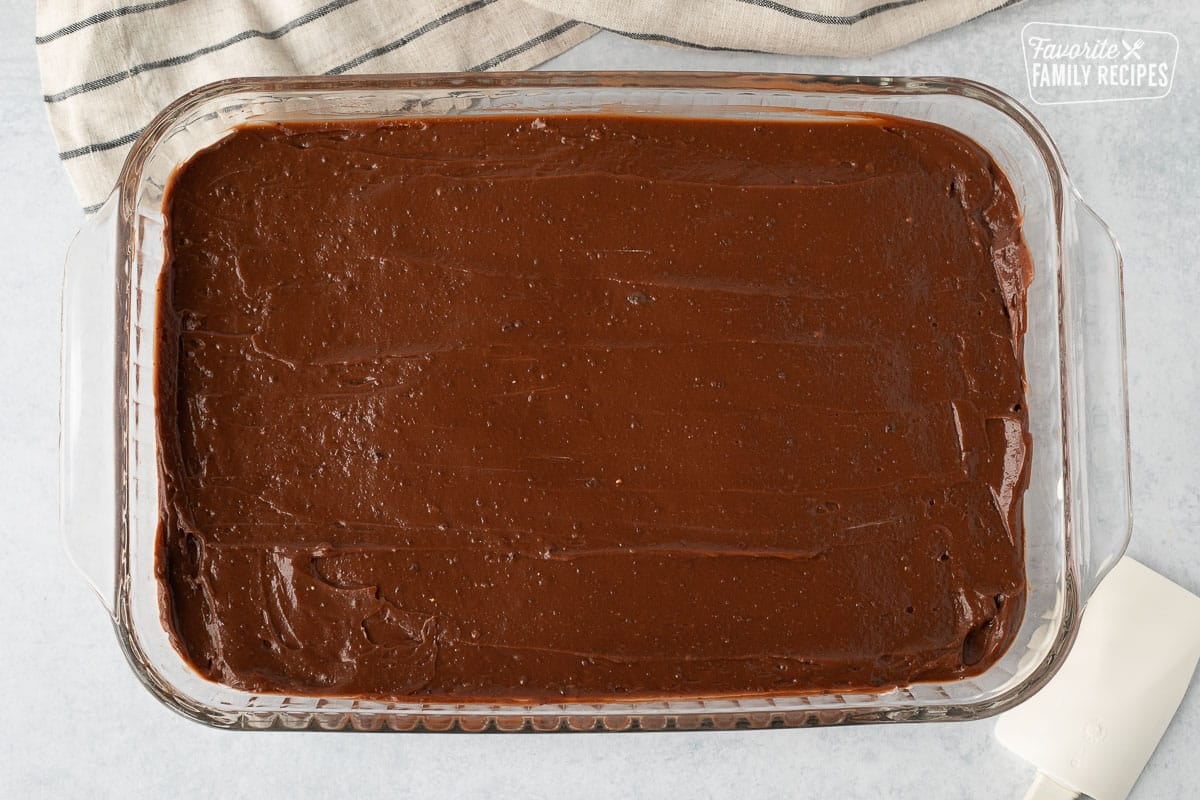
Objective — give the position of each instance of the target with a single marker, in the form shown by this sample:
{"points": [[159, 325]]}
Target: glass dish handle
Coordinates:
{"points": [[89, 473], [1095, 308]]}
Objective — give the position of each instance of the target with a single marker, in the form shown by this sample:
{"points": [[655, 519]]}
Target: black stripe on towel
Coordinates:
{"points": [[831, 19], [175, 61], [433, 24], [658, 37], [100, 147], [524, 46], [1003, 5], [103, 16], [826, 19]]}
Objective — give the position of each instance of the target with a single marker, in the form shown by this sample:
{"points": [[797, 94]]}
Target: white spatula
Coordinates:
{"points": [[1095, 725]]}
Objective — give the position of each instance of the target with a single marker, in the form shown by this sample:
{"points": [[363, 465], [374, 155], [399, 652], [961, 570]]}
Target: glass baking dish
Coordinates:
{"points": [[1076, 508]]}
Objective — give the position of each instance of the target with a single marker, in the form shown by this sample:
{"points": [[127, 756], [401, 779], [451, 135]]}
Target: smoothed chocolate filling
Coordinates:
{"points": [[591, 407]]}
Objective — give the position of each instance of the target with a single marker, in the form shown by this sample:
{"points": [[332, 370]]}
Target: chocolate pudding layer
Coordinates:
{"points": [[599, 407]]}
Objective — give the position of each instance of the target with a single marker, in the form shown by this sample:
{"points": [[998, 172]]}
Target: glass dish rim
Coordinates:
{"points": [[493, 714]]}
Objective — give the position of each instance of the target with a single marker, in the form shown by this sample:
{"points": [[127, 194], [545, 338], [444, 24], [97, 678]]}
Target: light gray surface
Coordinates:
{"points": [[77, 724]]}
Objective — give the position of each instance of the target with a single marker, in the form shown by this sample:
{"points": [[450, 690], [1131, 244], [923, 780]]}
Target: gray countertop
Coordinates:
{"points": [[77, 723]]}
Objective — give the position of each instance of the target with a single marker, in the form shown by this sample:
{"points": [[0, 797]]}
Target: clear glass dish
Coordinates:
{"points": [[1076, 508]]}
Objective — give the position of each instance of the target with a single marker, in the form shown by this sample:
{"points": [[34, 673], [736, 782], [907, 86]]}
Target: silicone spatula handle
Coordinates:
{"points": [[1046, 788]]}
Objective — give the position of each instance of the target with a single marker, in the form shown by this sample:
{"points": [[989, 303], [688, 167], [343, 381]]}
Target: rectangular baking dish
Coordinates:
{"points": [[1076, 508]]}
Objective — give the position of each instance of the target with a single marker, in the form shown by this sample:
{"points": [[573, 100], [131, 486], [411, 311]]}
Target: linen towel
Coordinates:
{"points": [[109, 66]]}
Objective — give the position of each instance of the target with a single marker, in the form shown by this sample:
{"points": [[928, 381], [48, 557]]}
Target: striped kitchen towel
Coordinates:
{"points": [[108, 66]]}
